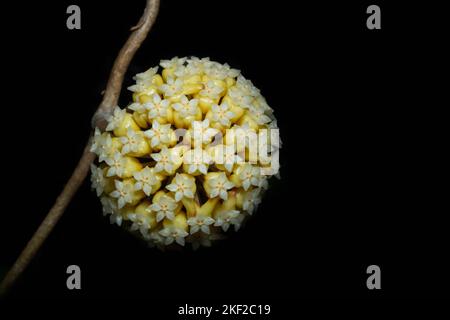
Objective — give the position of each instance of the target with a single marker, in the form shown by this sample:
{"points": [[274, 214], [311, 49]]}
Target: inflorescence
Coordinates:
{"points": [[190, 157]]}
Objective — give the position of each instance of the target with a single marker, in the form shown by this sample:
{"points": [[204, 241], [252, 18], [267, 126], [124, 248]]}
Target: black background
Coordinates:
{"points": [[355, 187]]}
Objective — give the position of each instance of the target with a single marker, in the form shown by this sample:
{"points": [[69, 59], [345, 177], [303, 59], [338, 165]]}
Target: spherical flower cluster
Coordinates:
{"points": [[169, 166]]}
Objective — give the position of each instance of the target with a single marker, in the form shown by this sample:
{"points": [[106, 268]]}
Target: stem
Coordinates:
{"points": [[110, 98]]}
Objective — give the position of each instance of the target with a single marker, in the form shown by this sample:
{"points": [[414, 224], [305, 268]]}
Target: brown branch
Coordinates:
{"points": [[110, 98]]}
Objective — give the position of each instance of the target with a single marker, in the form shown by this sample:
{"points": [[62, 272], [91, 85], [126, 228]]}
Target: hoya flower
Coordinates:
{"points": [[101, 143], [173, 63], [109, 205], [116, 119], [164, 208], [182, 185], [225, 156], [259, 116], [124, 193], [200, 223], [172, 233], [139, 222], [251, 200], [159, 133], [247, 86], [211, 90], [218, 185], [156, 107], [145, 180], [196, 160], [203, 132], [172, 87], [222, 114], [167, 160], [226, 218], [186, 107], [250, 176], [135, 142], [97, 179], [240, 98], [172, 166], [116, 165]]}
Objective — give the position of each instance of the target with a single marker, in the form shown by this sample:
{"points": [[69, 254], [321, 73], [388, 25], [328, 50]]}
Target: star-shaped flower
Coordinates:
{"points": [[109, 205], [173, 63], [159, 133], [116, 118], [97, 179], [200, 223], [251, 200], [167, 160], [172, 87], [240, 98], [101, 145], [218, 185], [211, 90], [172, 233], [183, 185], [156, 107], [145, 180], [225, 155], [203, 132], [226, 218], [186, 107], [196, 160], [259, 116], [222, 114], [140, 222], [164, 208], [144, 81], [133, 141], [250, 175], [247, 86], [116, 165], [124, 192]]}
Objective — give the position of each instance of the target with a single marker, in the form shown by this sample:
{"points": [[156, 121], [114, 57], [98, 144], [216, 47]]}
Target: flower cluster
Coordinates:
{"points": [[167, 167]]}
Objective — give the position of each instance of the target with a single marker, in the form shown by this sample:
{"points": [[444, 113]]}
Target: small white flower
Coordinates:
{"points": [[226, 155], [211, 90], [219, 186], [251, 200], [132, 141], [116, 165], [159, 133], [183, 186], [226, 218], [203, 132], [109, 205], [222, 114], [173, 63], [259, 116], [197, 160], [138, 107], [156, 107], [123, 193], [172, 87], [116, 119], [165, 160], [164, 208], [247, 86], [140, 222], [145, 180], [200, 64], [101, 145], [250, 175], [200, 223], [186, 107], [97, 179], [240, 98], [172, 234], [146, 77], [220, 71]]}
